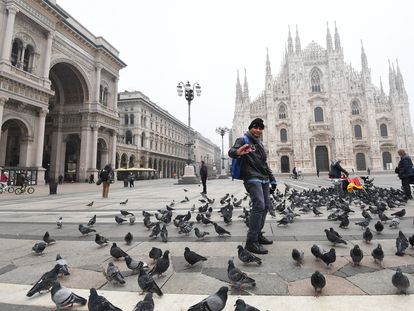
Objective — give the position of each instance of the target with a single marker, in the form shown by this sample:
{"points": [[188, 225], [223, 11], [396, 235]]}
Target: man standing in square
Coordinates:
{"points": [[257, 176], [203, 175]]}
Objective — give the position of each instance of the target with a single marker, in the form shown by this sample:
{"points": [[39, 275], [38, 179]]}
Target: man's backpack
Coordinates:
{"points": [[236, 163], [104, 175]]}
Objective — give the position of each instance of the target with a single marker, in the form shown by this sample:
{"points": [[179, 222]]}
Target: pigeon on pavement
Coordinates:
{"points": [[92, 221], [378, 254], [316, 251], [145, 305], [318, 282], [99, 303], [126, 213], [164, 233], [329, 257], [334, 238], [214, 302], [367, 235], [39, 247], [45, 282], [119, 220], [64, 297], [242, 306], [124, 202], [237, 277], [401, 243], [220, 230], [379, 226], [63, 265], [147, 283], [85, 230], [298, 256], [200, 234], [89, 204], [192, 257], [132, 220], [356, 255], [117, 252], [100, 240], [246, 257], [59, 222], [399, 214], [133, 264], [114, 275], [155, 253], [400, 281], [161, 265], [128, 238], [155, 230]]}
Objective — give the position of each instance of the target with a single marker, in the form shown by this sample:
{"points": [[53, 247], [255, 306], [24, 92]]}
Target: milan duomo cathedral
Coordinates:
{"points": [[318, 109]]}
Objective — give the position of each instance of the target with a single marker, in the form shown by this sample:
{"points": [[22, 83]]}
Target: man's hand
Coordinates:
{"points": [[273, 188], [245, 149]]}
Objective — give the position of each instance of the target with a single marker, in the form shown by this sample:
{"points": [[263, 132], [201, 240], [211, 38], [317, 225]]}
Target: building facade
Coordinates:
{"points": [[318, 108], [58, 86], [151, 137]]}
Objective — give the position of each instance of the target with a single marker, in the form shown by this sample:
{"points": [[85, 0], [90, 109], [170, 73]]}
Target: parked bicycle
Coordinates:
{"points": [[6, 188], [299, 177], [23, 189]]}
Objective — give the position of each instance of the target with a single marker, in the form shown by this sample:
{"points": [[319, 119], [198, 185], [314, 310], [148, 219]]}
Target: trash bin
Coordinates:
{"points": [[126, 183], [53, 187]]}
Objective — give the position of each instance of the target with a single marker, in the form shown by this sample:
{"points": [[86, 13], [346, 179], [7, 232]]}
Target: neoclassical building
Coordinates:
{"points": [[319, 108], [58, 88], [151, 137]]}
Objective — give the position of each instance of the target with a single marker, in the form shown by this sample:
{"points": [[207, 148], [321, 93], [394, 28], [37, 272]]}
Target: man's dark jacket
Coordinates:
{"points": [[405, 167], [203, 171]]}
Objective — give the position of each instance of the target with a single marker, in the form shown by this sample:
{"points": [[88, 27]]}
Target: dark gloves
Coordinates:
{"points": [[273, 188]]}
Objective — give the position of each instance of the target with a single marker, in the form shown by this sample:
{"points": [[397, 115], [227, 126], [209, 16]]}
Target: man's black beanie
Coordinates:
{"points": [[257, 123]]}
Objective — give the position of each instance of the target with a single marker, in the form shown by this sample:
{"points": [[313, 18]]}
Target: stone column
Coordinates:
{"points": [[20, 61], [84, 153], [98, 82], [57, 154], [48, 55], [39, 142], [114, 104], [7, 41], [94, 147], [112, 150], [2, 104]]}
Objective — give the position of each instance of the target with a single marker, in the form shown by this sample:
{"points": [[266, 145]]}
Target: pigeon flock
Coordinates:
{"points": [[286, 207]]}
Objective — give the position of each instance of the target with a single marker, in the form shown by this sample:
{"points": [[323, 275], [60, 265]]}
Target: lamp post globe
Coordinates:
{"points": [[222, 131], [189, 176]]}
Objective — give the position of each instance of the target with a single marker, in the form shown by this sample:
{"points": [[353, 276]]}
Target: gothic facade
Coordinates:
{"points": [[58, 88], [319, 108], [151, 137]]}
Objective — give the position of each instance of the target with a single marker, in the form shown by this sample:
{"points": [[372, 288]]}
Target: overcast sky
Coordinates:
{"points": [[165, 42]]}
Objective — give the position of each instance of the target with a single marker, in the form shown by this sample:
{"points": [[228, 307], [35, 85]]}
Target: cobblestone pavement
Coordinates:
{"points": [[280, 282]]}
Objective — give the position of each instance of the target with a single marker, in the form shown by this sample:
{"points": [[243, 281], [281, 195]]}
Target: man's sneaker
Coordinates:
{"points": [[263, 240], [256, 248]]}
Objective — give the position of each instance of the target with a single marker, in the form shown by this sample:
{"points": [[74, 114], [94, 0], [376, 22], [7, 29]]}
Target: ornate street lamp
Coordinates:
{"points": [[189, 175], [222, 131]]}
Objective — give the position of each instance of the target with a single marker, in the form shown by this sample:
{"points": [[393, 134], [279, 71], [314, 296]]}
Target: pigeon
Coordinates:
{"points": [[63, 297], [399, 214], [367, 235], [246, 257], [192, 257], [92, 221], [45, 282], [124, 203], [146, 282], [316, 211], [220, 230], [214, 302], [186, 227], [383, 217], [132, 220], [126, 213], [329, 257], [401, 243], [155, 230], [334, 238], [85, 230], [344, 223], [59, 222], [119, 220], [47, 239], [411, 240], [146, 214], [378, 254], [128, 238], [117, 252], [298, 256], [237, 277], [164, 233], [161, 265], [100, 240], [242, 306], [145, 305], [356, 255], [400, 281], [133, 264], [200, 234], [395, 222], [379, 226], [39, 247], [99, 303], [89, 204], [114, 275], [318, 282], [63, 265], [147, 223], [316, 251], [155, 253], [364, 223]]}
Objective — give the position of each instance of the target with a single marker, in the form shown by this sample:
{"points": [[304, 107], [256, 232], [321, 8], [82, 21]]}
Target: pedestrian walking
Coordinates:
{"points": [[368, 171], [203, 175], [105, 176], [257, 176], [131, 180], [317, 172], [405, 172]]}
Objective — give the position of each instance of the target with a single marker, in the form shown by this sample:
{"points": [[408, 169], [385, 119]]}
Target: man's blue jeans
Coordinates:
{"points": [[259, 194]]}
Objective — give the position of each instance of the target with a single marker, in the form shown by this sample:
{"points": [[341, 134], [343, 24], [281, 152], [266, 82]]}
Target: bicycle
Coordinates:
{"points": [[23, 189], [299, 177], [8, 188]]}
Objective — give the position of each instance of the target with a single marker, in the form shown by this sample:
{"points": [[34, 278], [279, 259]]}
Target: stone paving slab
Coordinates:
{"points": [[350, 270]]}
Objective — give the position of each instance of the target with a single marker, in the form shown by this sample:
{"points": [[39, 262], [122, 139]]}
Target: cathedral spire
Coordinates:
{"points": [[290, 42], [364, 60], [268, 68], [328, 38], [391, 78], [297, 42], [381, 87], [245, 86], [337, 40], [399, 81], [239, 92]]}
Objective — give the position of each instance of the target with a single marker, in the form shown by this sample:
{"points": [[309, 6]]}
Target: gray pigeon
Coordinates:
{"points": [[99, 303], [119, 220], [318, 282], [85, 230], [101, 240], [214, 302], [63, 297], [316, 251], [242, 306], [246, 257], [164, 234], [147, 283], [59, 222], [63, 265], [117, 252], [133, 264], [39, 247], [400, 281], [237, 277], [298, 256], [192, 257], [48, 239], [401, 243], [45, 282], [128, 238], [155, 230], [367, 235], [145, 305], [334, 238], [161, 265], [378, 254], [92, 221], [114, 275], [200, 234], [356, 255], [132, 220]]}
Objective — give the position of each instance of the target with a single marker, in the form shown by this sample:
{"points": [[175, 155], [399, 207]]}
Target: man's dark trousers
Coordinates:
{"points": [[406, 186], [259, 194], [204, 182]]}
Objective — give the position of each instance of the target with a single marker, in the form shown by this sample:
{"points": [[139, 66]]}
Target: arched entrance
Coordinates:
{"points": [[102, 154], [322, 158], [360, 162], [124, 160], [284, 164], [15, 134], [72, 158], [386, 158]]}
